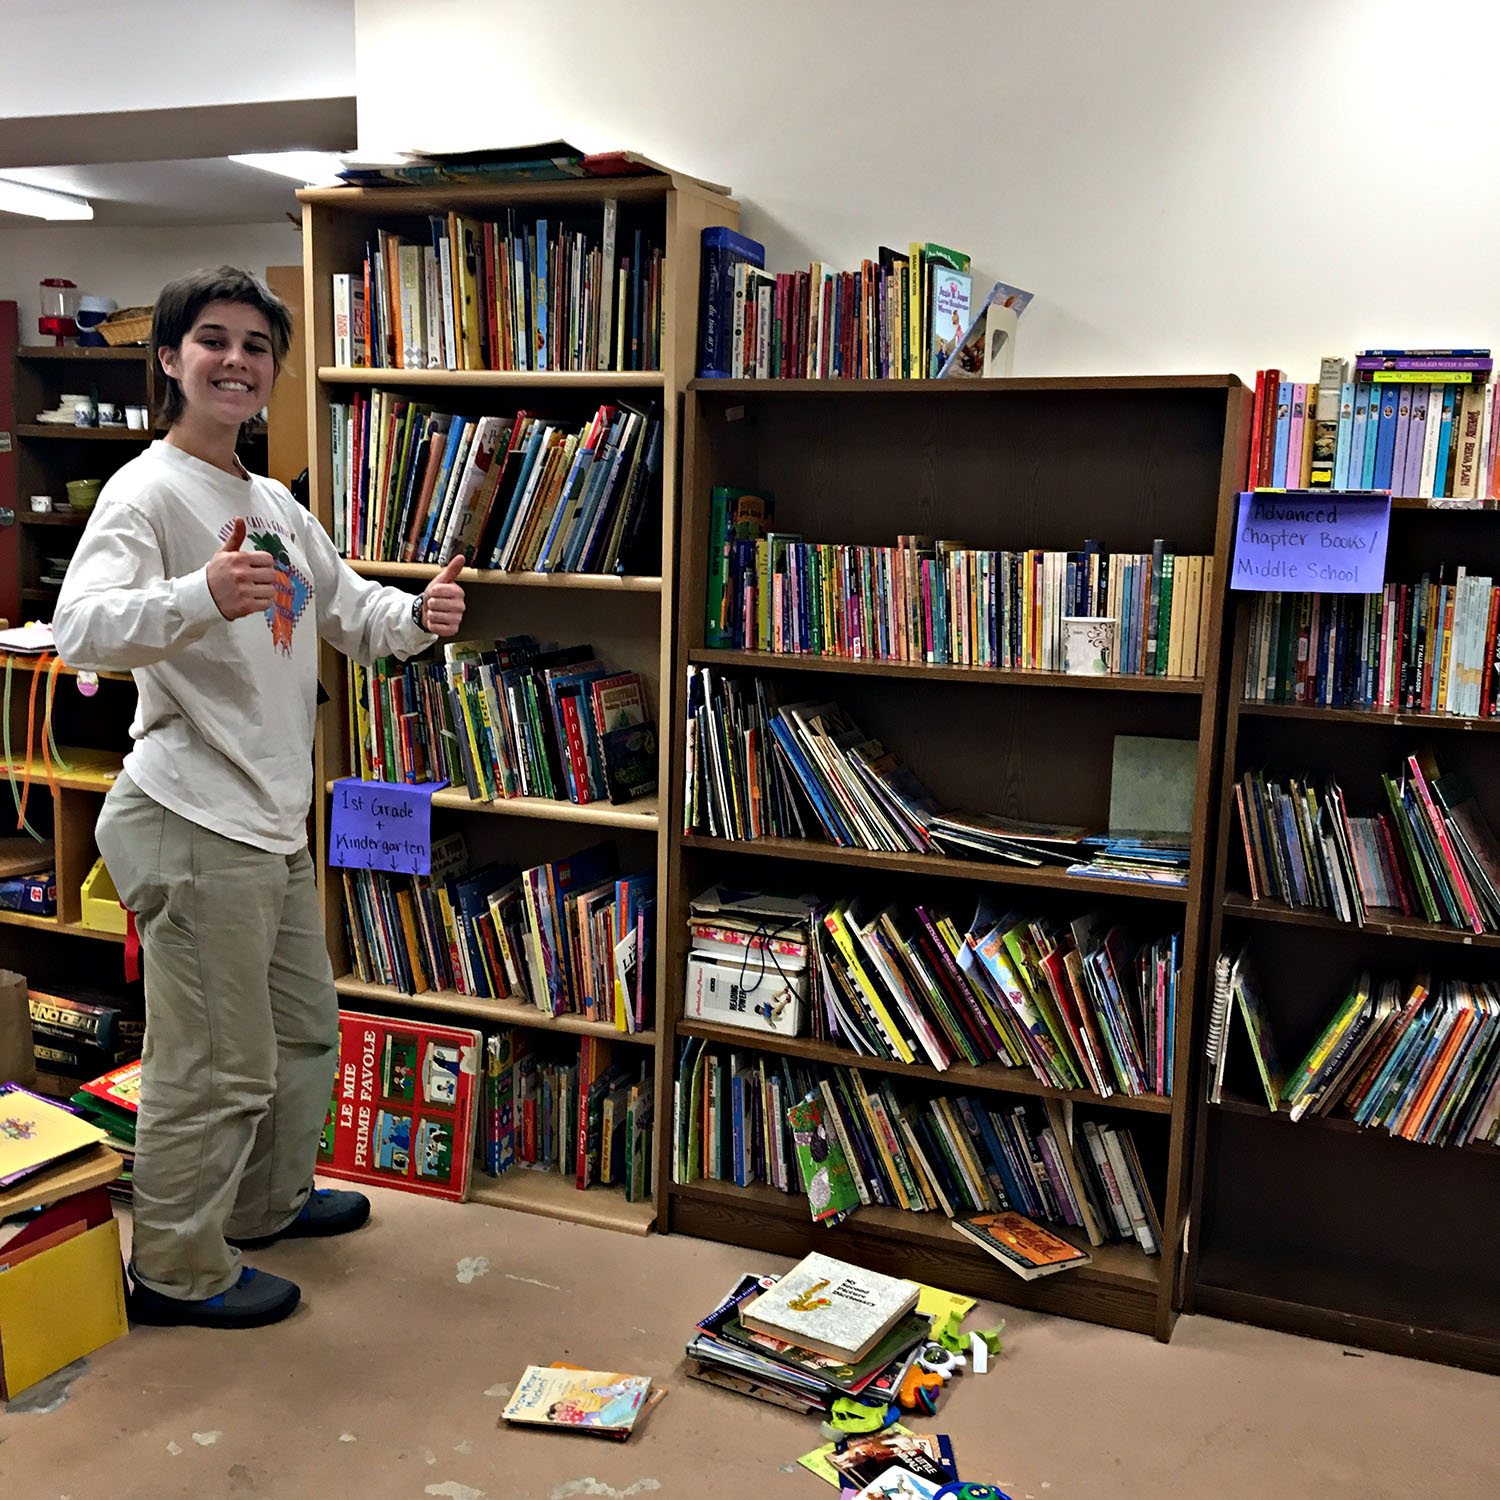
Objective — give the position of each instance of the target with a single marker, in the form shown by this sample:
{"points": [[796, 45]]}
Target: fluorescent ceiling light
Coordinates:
{"points": [[42, 203], [309, 167]]}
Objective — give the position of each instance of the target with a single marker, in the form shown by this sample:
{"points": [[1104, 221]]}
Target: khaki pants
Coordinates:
{"points": [[241, 1039]]}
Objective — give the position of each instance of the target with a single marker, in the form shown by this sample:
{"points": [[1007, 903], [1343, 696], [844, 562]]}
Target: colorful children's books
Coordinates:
{"points": [[1021, 1246], [598, 1402], [403, 1106]]}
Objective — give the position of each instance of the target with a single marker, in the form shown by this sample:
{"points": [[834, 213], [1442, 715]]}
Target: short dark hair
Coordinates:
{"points": [[177, 307]]}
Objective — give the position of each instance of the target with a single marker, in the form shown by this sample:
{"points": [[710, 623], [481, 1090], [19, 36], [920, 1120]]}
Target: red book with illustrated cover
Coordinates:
{"points": [[403, 1107]]}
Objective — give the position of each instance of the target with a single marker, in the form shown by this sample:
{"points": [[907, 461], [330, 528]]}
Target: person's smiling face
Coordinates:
{"points": [[225, 365]]}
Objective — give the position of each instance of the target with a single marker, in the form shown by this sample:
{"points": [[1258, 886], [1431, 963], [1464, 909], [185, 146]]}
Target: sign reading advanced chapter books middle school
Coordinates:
{"points": [[1311, 541]]}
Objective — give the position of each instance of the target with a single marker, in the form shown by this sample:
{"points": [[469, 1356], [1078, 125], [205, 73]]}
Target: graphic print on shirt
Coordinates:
{"points": [[289, 594]]}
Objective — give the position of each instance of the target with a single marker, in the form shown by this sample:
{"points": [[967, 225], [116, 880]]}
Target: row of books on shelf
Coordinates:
{"points": [[1418, 1058], [898, 317], [548, 1104], [825, 1132], [1428, 647], [1430, 854], [571, 937], [505, 718], [528, 493], [944, 602], [1081, 1005], [1416, 422], [509, 294], [758, 769]]}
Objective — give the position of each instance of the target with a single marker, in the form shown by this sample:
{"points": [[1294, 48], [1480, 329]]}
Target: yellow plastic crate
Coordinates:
{"points": [[101, 902]]}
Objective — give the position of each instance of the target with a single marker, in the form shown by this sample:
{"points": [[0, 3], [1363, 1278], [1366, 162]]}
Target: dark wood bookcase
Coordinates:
{"points": [[1004, 463], [1321, 1226]]}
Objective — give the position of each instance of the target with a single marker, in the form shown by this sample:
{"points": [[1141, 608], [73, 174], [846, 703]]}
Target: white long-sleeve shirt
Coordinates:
{"points": [[224, 725]]}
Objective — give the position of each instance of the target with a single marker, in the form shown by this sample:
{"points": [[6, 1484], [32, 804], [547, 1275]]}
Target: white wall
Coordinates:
{"points": [[1187, 185], [63, 57], [131, 265]]}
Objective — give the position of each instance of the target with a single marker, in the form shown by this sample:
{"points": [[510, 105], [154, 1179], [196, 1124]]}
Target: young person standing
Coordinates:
{"points": [[212, 587]]}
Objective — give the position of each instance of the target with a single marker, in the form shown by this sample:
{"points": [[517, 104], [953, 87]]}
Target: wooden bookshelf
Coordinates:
{"points": [[1004, 463], [1320, 1226], [627, 619]]}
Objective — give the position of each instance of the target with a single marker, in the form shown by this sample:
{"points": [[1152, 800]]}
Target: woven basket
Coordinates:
{"points": [[131, 325]]}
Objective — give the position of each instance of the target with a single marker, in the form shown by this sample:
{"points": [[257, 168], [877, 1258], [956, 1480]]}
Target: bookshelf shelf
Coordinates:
{"points": [[476, 380], [53, 518], [1295, 1224], [61, 431], [54, 924], [993, 1076], [502, 1012], [1379, 926], [765, 661], [556, 1197], [608, 583], [523, 832], [1387, 717], [983, 871], [1007, 464], [108, 354], [31, 663]]}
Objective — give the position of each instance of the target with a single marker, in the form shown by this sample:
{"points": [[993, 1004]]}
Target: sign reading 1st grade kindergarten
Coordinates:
{"points": [[1311, 541], [382, 825]]}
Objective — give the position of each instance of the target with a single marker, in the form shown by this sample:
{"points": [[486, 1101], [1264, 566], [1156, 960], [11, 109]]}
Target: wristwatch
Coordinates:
{"points": [[418, 604]]}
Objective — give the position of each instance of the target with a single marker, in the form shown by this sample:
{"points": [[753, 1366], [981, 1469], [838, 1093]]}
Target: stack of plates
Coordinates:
{"points": [[62, 413]]}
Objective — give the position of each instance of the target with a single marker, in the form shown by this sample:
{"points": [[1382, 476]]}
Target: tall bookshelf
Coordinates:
{"points": [[1005, 463], [1322, 1227], [628, 619]]}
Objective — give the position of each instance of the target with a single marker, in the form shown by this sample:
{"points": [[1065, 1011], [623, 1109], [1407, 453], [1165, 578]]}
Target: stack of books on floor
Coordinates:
{"points": [[1419, 1058], [1428, 647], [743, 1117], [855, 1334], [945, 602], [1433, 855], [523, 494], [571, 937], [112, 1102], [549, 1104], [512, 294], [505, 718], [1416, 422]]}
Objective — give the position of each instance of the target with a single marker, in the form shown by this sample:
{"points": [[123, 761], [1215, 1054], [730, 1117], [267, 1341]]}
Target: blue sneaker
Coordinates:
{"points": [[327, 1211], [256, 1299]]}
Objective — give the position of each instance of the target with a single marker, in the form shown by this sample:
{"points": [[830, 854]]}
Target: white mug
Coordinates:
{"points": [[135, 418], [110, 414], [83, 415]]}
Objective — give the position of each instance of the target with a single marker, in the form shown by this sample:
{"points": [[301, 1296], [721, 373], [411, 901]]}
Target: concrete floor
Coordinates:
{"points": [[388, 1382]]}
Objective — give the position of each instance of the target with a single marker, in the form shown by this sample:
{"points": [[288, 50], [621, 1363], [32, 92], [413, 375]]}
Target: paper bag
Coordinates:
{"points": [[17, 1061]]}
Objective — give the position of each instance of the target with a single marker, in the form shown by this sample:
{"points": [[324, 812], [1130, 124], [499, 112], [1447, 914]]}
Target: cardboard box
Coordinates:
{"points": [[58, 1305]]}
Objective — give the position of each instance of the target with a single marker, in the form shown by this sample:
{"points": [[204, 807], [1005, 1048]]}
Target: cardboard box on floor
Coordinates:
{"points": [[62, 1302]]}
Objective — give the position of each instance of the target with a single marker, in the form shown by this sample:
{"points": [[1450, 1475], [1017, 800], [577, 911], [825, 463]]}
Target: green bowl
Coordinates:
{"points": [[83, 492]]}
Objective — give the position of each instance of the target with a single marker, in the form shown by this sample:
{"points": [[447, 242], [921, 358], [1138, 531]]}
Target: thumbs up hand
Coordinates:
{"points": [[241, 582], [443, 600]]}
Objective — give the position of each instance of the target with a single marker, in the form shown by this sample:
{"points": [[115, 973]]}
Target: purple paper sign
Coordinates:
{"points": [[1310, 541], [382, 825]]}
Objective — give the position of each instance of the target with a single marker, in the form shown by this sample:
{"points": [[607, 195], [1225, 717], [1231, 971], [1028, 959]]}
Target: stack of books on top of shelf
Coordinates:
{"points": [[1416, 422], [728, 1352], [550, 1104], [898, 317], [505, 719], [1430, 647], [527, 493], [516, 294], [745, 1118], [573, 937], [112, 1102], [1432, 856], [1078, 1004], [1418, 1058], [944, 602]]}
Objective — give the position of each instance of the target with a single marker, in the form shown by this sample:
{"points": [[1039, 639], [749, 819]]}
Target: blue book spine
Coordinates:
{"points": [[1346, 436], [1445, 439], [723, 249], [1385, 441], [1283, 431]]}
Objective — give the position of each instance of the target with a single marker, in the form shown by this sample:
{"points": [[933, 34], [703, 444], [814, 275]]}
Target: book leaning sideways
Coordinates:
{"points": [[597, 1402], [37, 1133], [831, 1307], [1021, 1246]]}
